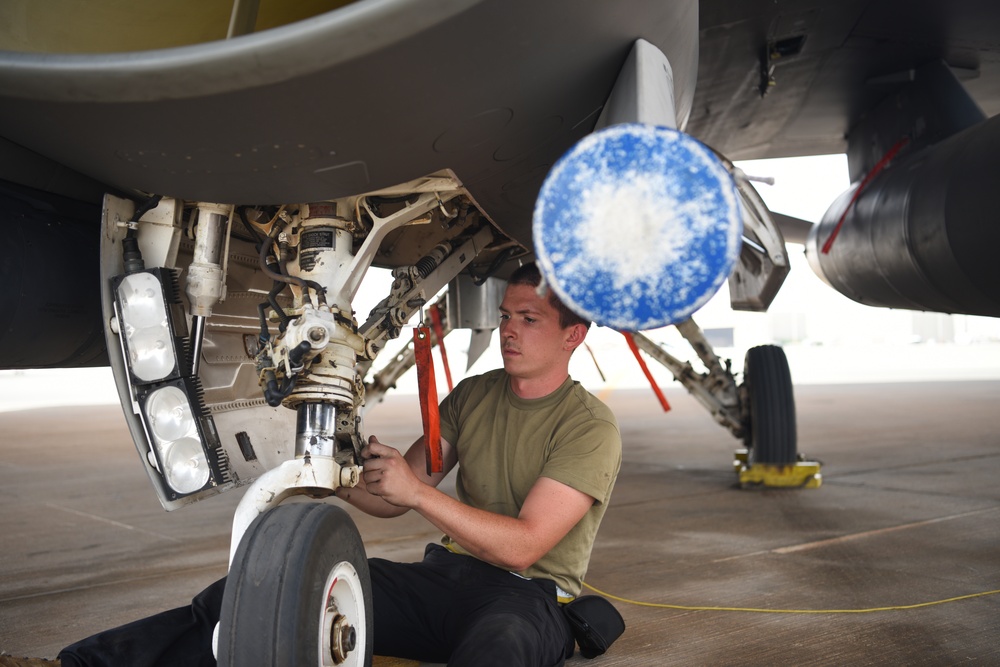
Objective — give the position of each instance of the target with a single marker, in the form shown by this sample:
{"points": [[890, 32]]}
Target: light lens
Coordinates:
{"points": [[185, 465], [146, 326], [150, 352], [142, 301], [169, 414], [174, 430]]}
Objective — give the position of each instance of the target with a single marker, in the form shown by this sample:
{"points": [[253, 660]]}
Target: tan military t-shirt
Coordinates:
{"points": [[505, 443]]}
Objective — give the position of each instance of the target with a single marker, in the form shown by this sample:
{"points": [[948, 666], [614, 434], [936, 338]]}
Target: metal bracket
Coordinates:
{"points": [[379, 327], [763, 262], [405, 359], [382, 227]]}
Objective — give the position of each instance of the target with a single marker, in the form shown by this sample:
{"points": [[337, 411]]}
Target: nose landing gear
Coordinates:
{"points": [[303, 568]]}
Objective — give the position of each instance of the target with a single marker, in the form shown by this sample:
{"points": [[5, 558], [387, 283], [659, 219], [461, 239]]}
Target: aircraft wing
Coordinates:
{"points": [[331, 99], [910, 91], [793, 78], [328, 99], [359, 99]]}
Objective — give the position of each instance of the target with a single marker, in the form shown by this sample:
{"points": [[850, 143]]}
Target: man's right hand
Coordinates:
{"points": [[387, 461], [388, 475]]}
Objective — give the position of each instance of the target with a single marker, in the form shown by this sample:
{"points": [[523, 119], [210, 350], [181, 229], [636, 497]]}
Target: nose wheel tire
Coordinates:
{"points": [[770, 431], [298, 592]]}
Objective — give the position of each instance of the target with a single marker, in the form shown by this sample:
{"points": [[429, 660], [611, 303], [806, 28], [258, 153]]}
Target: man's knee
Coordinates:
{"points": [[509, 639]]}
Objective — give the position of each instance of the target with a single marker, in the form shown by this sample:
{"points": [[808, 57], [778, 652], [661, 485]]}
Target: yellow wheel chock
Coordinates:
{"points": [[801, 474]]}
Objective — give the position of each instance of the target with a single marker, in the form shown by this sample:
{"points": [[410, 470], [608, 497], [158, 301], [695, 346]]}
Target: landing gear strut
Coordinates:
{"points": [[761, 411]]}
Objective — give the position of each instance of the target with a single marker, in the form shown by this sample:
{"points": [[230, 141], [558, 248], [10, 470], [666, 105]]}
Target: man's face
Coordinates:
{"points": [[532, 342]]}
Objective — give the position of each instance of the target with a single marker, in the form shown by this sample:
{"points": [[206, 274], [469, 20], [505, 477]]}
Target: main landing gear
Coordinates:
{"points": [[769, 433], [760, 411]]}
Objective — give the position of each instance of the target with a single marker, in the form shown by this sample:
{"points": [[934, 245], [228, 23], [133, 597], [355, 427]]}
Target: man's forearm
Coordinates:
{"points": [[549, 512], [359, 497], [499, 540]]}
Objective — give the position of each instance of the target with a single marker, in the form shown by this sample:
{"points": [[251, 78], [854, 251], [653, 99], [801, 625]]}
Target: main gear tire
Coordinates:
{"points": [[770, 433]]}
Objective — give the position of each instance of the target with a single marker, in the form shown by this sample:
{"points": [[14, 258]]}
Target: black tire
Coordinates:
{"points": [[770, 431], [291, 561]]}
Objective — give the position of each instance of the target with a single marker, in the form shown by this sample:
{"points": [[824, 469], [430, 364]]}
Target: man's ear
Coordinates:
{"points": [[575, 336]]}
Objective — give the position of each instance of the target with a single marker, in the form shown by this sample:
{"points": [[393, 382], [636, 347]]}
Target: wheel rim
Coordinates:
{"points": [[342, 630]]}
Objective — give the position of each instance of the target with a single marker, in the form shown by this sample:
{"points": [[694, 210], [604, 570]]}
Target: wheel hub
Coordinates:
{"points": [[343, 638]]}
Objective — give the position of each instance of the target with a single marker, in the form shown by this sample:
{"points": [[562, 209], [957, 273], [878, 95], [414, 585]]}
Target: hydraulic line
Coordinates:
{"points": [[306, 285], [131, 255], [272, 300], [242, 211]]}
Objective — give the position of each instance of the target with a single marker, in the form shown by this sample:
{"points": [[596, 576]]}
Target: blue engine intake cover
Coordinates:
{"points": [[637, 227]]}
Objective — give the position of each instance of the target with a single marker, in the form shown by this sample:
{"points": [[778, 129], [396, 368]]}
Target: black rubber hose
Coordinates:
{"points": [[304, 284], [131, 255]]}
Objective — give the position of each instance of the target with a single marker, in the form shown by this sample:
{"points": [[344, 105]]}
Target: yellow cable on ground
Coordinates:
{"points": [[791, 611]]}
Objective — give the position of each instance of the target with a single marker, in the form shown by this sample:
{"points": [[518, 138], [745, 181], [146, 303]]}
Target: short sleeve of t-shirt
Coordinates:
{"points": [[587, 459]]}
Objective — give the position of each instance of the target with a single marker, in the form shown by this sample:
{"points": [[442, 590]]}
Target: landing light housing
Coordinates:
{"points": [[182, 444], [143, 302]]}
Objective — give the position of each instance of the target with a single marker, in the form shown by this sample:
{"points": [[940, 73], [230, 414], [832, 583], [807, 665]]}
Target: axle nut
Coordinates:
{"points": [[349, 476]]}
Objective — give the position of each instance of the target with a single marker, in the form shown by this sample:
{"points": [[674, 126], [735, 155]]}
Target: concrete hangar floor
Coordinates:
{"points": [[908, 513]]}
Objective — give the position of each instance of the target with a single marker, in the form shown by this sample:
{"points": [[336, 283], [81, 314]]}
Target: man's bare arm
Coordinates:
{"points": [[550, 510], [415, 459]]}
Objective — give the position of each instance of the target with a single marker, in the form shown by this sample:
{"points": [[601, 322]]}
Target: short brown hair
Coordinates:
{"points": [[528, 274]]}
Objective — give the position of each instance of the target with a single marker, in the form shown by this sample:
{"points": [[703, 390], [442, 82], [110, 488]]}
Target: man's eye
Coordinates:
{"points": [[504, 316], [530, 320]]}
